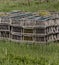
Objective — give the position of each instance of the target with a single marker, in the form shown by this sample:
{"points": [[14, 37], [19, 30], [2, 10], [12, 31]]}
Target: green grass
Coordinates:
{"points": [[8, 5], [12, 53]]}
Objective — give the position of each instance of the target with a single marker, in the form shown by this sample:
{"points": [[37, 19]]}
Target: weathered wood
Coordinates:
{"points": [[30, 28]]}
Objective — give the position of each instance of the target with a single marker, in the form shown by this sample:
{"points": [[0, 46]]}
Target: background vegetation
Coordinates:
{"points": [[29, 5], [12, 53]]}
